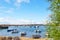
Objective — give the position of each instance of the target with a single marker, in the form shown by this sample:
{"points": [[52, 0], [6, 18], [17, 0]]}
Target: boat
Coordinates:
{"points": [[37, 31], [9, 30], [6, 27], [23, 33], [36, 36], [15, 31]]}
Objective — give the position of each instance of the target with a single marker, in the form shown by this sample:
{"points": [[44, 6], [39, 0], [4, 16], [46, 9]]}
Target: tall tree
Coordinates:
{"points": [[54, 24]]}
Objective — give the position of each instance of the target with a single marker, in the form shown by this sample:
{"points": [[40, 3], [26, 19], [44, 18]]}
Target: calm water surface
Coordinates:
{"points": [[30, 30]]}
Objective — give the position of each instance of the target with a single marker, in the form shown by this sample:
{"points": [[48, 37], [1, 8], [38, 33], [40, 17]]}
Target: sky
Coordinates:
{"points": [[24, 11]]}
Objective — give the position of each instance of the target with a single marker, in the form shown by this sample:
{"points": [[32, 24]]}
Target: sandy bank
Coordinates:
{"points": [[20, 38]]}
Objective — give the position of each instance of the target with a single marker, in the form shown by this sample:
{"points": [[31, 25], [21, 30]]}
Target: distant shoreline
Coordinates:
{"points": [[6, 25]]}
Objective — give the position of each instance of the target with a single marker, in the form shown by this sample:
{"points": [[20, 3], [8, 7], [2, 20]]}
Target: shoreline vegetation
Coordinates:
{"points": [[20, 38], [54, 22]]}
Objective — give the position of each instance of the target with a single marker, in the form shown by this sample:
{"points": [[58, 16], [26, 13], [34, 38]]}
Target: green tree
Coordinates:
{"points": [[54, 24]]}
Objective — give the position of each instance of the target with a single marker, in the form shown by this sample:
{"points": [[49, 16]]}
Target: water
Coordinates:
{"points": [[30, 30]]}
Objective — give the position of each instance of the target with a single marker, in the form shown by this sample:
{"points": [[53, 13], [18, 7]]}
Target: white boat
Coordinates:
{"points": [[15, 31]]}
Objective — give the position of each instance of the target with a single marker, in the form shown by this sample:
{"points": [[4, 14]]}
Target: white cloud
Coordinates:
{"points": [[2, 7], [17, 3], [11, 10], [8, 20], [8, 1], [14, 21]]}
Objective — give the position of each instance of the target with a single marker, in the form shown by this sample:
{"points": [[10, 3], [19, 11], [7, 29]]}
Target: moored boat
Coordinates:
{"points": [[3, 27], [36, 36], [23, 33], [15, 31]]}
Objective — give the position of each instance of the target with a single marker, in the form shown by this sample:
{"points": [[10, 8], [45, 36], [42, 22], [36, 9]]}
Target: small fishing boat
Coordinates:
{"points": [[6, 27], [15, 31], [36, 36], [23, 33], [37, 31], [9, 30]]}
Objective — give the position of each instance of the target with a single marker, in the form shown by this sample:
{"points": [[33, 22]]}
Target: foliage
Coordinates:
{"points": [[54, 24]]}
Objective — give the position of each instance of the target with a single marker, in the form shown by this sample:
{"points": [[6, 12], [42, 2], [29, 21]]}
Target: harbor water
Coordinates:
{"points": [[29, 30]]}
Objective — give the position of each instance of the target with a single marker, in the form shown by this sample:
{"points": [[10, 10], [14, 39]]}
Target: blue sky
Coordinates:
{"points": [[23, 11]]}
